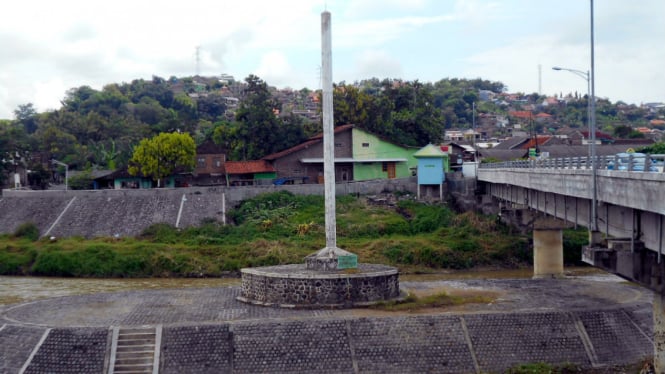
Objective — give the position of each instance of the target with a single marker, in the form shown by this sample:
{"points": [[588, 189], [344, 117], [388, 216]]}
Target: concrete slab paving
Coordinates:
{"points": [[593, 323]]}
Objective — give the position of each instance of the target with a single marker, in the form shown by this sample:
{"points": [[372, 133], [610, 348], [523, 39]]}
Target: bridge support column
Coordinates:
{"points": [[548, 248], [595, 238], [547, 253]]}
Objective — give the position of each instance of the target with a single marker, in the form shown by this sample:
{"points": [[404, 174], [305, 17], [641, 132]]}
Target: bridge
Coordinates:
{"points": [[623, 210], [627, 236]]}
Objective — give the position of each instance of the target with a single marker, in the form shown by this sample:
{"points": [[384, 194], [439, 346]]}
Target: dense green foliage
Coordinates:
{"points": [[101, 128], [657, 148], [274, 229]]}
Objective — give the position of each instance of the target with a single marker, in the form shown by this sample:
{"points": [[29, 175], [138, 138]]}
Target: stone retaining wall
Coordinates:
{"points": [[470, 343], [129, 212]]}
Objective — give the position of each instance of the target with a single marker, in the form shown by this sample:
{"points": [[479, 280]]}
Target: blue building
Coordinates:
{"points": [[433, 163]]}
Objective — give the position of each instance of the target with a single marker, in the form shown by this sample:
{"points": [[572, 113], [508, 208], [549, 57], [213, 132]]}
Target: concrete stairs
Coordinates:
{"points": [[135, 350]]}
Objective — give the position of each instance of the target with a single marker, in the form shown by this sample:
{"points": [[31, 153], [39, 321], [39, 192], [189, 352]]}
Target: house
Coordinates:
{"points": [[453, 135], [359, 155], [249, 173], [458, 154], [543, 118], [121, 179], [209, 168], [433, 163]]}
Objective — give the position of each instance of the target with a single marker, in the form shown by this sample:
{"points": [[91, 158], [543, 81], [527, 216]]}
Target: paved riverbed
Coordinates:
{"points": [[589, 320]]}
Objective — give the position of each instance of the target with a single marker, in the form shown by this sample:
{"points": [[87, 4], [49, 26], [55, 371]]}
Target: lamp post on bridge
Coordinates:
{"points": [[592, 137], [591, 95]]}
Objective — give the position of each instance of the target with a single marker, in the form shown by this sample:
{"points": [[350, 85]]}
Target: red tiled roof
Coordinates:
{"points": [[521, 114], [539, 140], [543, 115], [248, 167], [599, 135]]}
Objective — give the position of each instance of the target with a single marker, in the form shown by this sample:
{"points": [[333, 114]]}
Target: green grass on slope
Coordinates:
{"points": [[276, 228]]}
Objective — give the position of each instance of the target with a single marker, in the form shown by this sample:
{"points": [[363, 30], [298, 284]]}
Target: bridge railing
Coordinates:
{"points": [[623, 162]]}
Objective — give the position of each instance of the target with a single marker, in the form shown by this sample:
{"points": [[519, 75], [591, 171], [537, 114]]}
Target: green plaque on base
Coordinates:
{"points": [[347, 262]]}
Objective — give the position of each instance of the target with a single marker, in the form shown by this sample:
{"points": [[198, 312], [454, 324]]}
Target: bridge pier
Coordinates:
{"points": [[548, 247]]}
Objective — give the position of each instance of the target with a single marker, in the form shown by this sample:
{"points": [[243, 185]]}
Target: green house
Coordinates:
{"points": [[121, 179], [359, 155], [375, 158]]}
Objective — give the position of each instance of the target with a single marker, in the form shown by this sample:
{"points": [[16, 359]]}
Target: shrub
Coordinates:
{"points": [[573, 241], [161, 233], [27, 230], [15, 261]]}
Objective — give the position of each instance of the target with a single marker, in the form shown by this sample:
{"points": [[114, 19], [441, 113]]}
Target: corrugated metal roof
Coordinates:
{"points": [[430, 150]]}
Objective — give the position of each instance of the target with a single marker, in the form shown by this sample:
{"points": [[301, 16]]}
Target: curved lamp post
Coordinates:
{"points": [[589, 77]]}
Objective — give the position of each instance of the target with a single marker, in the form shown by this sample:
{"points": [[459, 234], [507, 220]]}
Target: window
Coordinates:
{"points": [[384, 167], [217, 162], [365, 145], [201, 162]]}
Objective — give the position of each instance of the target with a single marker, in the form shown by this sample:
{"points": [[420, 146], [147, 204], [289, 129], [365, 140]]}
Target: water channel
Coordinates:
{"points": [[20, 289]]}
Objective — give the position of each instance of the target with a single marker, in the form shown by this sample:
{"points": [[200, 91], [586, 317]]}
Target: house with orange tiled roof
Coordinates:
{"points": [[249, 173], [543, 118], [521, 114]]}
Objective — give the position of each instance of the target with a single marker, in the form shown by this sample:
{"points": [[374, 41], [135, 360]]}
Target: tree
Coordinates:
{"points": [[261, 131], [27, 116], [656, 148], [162, 155]]}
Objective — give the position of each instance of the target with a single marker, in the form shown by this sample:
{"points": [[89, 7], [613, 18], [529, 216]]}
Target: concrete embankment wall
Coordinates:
{"points": [[128, 212], [470, 343]]}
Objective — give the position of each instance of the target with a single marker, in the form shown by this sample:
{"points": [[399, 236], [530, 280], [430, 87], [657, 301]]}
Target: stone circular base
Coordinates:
{"points": [[295, 286]]}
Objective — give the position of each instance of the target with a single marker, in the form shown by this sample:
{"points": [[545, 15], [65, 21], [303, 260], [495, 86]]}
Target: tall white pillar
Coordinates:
{"points": [[328, 132]]}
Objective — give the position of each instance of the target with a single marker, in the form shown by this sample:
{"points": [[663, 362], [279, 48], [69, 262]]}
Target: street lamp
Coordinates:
{"points": [[589, 77], [66, 170]]}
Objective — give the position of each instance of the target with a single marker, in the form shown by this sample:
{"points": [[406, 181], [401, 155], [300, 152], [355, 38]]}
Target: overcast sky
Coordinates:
{"points": [[48, 47]]}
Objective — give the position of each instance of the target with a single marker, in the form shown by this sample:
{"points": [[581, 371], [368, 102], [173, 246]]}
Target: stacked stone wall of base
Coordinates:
{"points": [[262, 286]]}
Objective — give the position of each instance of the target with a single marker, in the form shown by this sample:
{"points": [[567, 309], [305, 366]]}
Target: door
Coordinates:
{"points": [[391, 170]]}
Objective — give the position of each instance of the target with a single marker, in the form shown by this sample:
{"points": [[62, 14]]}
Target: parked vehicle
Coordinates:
{"points": [[632, 162]]}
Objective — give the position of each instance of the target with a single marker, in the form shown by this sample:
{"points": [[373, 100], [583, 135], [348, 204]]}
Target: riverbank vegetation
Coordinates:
{"points": [[280, 228]]}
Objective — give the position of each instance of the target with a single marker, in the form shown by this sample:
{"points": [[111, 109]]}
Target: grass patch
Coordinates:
{"points": [[437, 300]]}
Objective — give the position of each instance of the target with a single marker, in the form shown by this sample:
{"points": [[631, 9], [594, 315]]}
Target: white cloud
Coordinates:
{"points": [[377, 64], [274, 69], [49, 47]]}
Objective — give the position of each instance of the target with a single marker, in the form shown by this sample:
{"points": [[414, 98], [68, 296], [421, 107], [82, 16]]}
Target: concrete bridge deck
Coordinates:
{"points": [[586, 321]]}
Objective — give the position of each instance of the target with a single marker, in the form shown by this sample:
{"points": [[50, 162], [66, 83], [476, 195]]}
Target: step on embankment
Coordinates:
{"points": [[135, 350]]}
